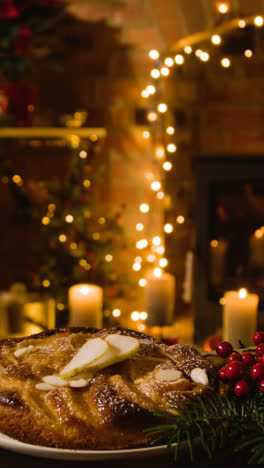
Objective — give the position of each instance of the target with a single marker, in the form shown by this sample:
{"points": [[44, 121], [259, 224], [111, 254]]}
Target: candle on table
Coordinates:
{"points": [[85, 304], [159, 298], [218, 250], [256, 247], [239, 317]]}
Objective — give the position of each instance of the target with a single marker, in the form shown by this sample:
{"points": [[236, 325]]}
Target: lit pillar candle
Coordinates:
{"points": [[256, 248], [239, 317], [159, 298], [85, 304], [218, 250]]}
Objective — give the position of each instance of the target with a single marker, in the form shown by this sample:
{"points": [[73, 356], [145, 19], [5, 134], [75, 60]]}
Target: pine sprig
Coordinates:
{"points": [[216, 422]]}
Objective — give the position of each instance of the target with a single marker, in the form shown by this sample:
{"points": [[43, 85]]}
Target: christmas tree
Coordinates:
{"points": [[76, 237]]}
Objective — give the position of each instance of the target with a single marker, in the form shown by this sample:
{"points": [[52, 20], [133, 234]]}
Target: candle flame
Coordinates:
{"points": [[242, 293], [84, 290], [157, 272]]}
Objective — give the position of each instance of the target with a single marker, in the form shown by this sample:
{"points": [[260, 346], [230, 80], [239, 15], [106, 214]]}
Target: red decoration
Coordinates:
{"points": [[248, 359], [234, 357], [257, 371], [260, 349], [8, 10], [258, 337], [235, 370], [224, 349], [242, 387]]}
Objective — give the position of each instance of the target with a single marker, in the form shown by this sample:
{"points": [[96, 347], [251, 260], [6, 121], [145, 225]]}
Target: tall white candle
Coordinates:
{"points": [[85, 304], [160, 298], [239, 317], [218, 250], [256, 248]]}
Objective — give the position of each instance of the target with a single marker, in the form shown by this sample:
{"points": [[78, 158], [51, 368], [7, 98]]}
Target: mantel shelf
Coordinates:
{"points": [[51, 132]]}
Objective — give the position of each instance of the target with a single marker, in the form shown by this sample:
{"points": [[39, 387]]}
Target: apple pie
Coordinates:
{"points": [[83, 388]]}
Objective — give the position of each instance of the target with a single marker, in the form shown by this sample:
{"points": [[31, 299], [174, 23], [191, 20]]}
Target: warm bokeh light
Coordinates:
{"points": [[143, 315], [144, 93], [139, 227], [168, 62], [162, 107], [165, 71], [144, 208], [46, 283], [69, 218], [146, 134], [156, 185], [179, 59], [171, 148], [45, 220], [170, 130], [248, 53], [156, 240], [204, 57], [225, 62], [152, 116], [154, 54], [155, 73], [188, 49], [163, 262], [142, 244], [83, 154], [136, 267], [167, 166], [214, 243], [116, 313], [168, 228], [222, 7], [258, 21], [157, 272], [160, 195], [151, 89], [216, 39], [142, 282], [108, 258], [180, 219], [160, 152], [242, 23], [62, 238], [135, 316]]}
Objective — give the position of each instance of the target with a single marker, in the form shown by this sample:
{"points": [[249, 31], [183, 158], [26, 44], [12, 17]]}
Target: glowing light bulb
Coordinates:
{"points": [[198, 52], [167, 166], [83, 154], [242, 293], [62, 238], [188, 49], [69, 218], [144, 208], [258, 21], [170, 130], [146, 134], [155, 73], [248, 53], [214, 243], [139, 227], [136, 267], [116, 313], [171, 148], [108, 258], [86, 183], [143, 315], [151, 258], [160, 152], [17, 179], [160, 249], [156, 185], [154, 54], [168, 61], [162, 107], [163, 262], [216, 39], [168, 228], [241, 24], [142, 244], [225, 62], [204, 57], [223, 7], [165, 71], [151, 89], [179, 59], [157, 272], [142, 282], [46, 283], [135, 316], [152, 116], [180, 219], [45, 220], [144, 94], [156, 240]]}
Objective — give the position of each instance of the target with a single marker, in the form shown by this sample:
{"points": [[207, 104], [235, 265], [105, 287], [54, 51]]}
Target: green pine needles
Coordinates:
{"points": [[216, 422]]}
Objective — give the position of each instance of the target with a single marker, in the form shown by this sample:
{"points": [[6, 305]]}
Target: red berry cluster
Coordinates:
{"points": [[244, 370]]}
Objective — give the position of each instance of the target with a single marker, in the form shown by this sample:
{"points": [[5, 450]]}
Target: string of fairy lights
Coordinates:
{"points": [[161, 131]]}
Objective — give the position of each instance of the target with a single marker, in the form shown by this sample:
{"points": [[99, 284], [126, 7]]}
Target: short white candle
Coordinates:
{"points": [[85, 304], [239, 317], [159, 298]]}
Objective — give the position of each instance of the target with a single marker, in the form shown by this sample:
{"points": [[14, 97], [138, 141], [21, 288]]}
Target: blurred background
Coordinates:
{"points": [[131, 160]]}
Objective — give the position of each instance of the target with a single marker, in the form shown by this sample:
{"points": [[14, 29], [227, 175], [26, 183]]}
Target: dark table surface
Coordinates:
{"points": [[222, 458]]}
